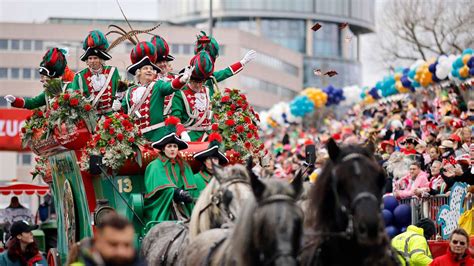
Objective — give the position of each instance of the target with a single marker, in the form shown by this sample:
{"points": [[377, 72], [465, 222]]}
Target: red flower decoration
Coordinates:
{"points": [[102, 150], [111, 131], [74, 102], [55, 106], [87, 107], [233, 137], [215, 127], [119, 136], [249, 135], [247, 120], [247, 145], [23, 130], [131, 139], [233, 107], [243, 97], [239, 129], [112, 141], [225, 99], [230, 113], [39, 113], [230, 122], [66, 97], [252, 127]]}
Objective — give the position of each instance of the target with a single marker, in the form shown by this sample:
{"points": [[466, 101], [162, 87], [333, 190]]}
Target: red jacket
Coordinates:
{"points": [[448, 260]]}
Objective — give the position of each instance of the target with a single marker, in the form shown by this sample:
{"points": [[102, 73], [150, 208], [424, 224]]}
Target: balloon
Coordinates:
{"points": [[432, 67], [405, 82], [470, 63], [464, 72], [391, 231], [403, 229], [402, 215], [455, 72], [412, 74], [387, 217], [465, 58], [397, 76], [390, 203], [301, 105], [467, 51], [471, 71], [458, 63]]}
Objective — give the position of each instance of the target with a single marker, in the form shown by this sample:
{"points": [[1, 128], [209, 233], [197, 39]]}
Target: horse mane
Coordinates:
{"points": [[321, 198], [241, 239], [212, 216]]}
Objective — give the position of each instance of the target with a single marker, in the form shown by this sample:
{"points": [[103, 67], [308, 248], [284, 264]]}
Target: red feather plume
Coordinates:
{"points": [[215, 137], [172, 120]]}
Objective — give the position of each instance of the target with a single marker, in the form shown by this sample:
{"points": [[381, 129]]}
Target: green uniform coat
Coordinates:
{"points": [[162, 176], [202, 179]]}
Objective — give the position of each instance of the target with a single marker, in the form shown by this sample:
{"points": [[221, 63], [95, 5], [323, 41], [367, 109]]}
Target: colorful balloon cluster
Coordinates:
{"points": [[317, 96], [301, 105], [463, 66], [335, 95], [397, 217], [422, 74]]}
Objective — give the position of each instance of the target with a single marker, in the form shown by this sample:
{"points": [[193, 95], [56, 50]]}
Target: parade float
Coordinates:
{"points": [[94, 166]]}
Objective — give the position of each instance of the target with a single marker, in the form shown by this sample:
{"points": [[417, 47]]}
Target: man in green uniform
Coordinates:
{"points": [[192, 105], [208, 157], [98, 82], [52, 66], [203, 42], [144, 102], [169, 180]]}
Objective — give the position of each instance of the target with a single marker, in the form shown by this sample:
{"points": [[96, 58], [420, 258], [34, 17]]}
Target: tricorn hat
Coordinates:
{"points": [[95, 44], [53, 63], [170, 135], [213, 150], [143, 54]]}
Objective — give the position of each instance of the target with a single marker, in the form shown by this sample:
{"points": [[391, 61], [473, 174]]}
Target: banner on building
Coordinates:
{"points": [[11, 122]]}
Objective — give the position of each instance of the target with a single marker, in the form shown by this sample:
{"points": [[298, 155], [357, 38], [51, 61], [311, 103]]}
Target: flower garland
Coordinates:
{"points": [[41, 168], [34, 124], [116, 139], [70, 108], [237, 123]]}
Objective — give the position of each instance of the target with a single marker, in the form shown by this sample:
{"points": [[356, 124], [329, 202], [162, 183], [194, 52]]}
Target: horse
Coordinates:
{"points": [[343, 225], [219, 203], [267, 232]]}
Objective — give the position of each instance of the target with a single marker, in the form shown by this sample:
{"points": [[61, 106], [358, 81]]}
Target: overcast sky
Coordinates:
{"points": [[39, 10]]}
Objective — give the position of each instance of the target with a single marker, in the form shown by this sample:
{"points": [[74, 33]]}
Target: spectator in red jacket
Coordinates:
{"points": [[458, 252]]}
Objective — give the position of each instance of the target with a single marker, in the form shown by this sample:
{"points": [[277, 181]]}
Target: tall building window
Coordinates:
{"points": [[3, 73], [3, 44], [24, 158], [26, 73], [15, 44], [27, 45], [37, 75], [286, 32], [15, 73], [327, 42], [3, 102], [38, 45]]}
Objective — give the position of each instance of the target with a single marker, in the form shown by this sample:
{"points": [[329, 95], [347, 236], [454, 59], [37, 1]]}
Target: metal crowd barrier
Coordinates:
{"points": [[428, 207]]}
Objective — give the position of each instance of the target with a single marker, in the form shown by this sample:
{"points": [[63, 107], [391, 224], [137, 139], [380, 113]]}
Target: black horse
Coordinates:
{"points": [[344, 223]]}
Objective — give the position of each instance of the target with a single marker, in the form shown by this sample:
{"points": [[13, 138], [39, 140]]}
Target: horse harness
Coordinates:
{"points": [[164, 252], [348, 233], [266, 201], [275, 199], [223, 195]]}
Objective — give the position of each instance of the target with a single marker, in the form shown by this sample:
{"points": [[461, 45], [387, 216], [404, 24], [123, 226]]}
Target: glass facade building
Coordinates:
{"points": [[288, 23]]}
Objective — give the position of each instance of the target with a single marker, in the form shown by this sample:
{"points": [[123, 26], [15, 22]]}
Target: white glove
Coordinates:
{"points": [[187, 74], [10, 98], [249, 56], [185, 136], [116, 105]]}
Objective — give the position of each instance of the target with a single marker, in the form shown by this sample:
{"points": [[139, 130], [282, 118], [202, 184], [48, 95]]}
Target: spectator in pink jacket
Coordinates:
{"points": [[408, 185]]}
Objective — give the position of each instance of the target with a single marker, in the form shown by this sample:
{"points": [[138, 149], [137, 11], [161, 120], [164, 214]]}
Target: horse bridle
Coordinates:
{"points": [[218, 198], [275, 199], [349, 231]]}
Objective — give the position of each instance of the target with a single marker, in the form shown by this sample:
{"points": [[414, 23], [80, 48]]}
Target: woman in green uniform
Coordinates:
{"points": [[169, 180], [208, 157]]}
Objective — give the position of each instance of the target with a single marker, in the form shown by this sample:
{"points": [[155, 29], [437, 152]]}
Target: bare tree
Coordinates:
{"points": [[422, 29]]}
